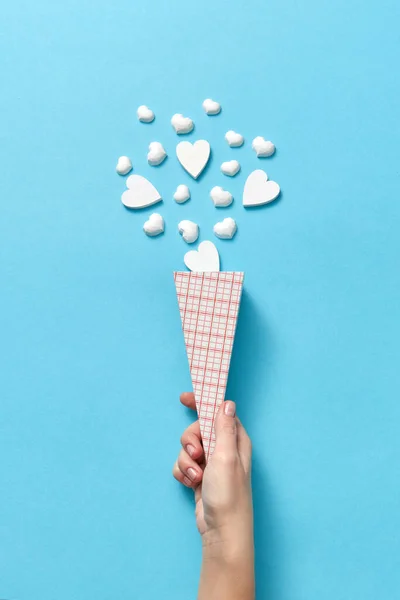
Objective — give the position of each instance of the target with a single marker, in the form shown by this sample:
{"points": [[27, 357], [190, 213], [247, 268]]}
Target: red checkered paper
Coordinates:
{"points": [[209, 306]]}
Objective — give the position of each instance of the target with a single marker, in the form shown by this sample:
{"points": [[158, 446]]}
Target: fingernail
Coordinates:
{"points": [[230, 409], [190, 449], [187, 481], [192, 473]]}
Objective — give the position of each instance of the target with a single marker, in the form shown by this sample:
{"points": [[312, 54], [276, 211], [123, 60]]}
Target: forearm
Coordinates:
{"points": [[228, 567]]}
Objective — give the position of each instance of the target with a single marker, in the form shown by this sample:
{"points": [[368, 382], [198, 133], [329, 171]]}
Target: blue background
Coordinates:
{"points": [[92, 355]]}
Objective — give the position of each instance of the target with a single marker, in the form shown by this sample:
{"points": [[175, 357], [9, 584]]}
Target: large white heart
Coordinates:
{"points": [[203, 260], [258, 190], [140, 193], [193, 157]]}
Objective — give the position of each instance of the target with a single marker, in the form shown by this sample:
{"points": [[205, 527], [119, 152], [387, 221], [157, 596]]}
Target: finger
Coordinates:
{"points": [[191, 442], [244, 446], [187, 399], [189, 467], [226, 444], [192, 474], [179, 476]]}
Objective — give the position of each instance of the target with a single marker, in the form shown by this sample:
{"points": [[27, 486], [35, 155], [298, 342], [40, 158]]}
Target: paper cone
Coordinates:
{"points": [[209, 306]]}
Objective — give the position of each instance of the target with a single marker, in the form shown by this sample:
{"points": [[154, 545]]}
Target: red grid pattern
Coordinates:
{"points": [[209, 305]]}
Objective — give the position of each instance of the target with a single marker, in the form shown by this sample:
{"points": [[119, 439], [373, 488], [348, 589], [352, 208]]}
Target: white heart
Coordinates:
{"points": [[262, 147], [230, 168], [154, 225], [182, 194], [234, 139], [156, 154], [182, 124], [189, 231], [258, 190], [140, 193], [124, 165], [145, 114], [193, 157], [211, 107], [221, 197], [203, 260], [225, 229]]}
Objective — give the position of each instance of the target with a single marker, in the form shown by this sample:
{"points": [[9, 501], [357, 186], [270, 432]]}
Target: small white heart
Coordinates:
{"points": [[234, 139], [193, 157], [140, 193], [189, 231], [145, 114], [211, 107], [154, 225], [203, 260], [124, 165], [258, 190], [182, 194], [262, 147], [182, 124], [230, 168], [221, 197], [156, 154], [225, 229]]}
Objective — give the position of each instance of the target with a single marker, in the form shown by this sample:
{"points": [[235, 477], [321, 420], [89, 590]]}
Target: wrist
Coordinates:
{"points": [[228, 564], [229, 544]]}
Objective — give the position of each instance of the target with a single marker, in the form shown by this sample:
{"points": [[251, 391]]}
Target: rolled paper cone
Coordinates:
{"points": [[209, 306]]}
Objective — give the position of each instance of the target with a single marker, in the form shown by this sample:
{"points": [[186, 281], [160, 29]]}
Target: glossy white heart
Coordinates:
{"points": [[140, 193], [193, 157], [154, 225], [234, 139], [182, 124], [230, 168], [156, 154], [211, 107], [182, 194], [203, 260], [189, 231], [263, 147], [258, 190], [225, 229], [221, 197], [124, 165], [145, 114]]}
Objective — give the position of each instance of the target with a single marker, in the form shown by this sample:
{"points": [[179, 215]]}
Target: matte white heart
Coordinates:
{"points": [[140, 193], [203, 260], [258, 190], [193, 157]]}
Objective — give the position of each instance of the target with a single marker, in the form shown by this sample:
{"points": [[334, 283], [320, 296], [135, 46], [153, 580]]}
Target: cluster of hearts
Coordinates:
{"points": [[141, 193]]}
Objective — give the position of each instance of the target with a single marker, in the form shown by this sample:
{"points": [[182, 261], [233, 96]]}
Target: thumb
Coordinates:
{"points": [[226, 430]]}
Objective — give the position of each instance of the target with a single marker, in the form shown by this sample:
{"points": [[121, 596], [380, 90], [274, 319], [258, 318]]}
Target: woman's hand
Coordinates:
{"points": [[223, 487], [224, 511]]}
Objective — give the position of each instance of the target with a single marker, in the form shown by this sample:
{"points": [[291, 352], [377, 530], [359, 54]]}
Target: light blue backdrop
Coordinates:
{"points": [[92, 356]]}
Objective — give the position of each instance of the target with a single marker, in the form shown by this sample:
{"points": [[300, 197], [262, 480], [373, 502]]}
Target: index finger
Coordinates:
{"points": [[187, 399]]}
